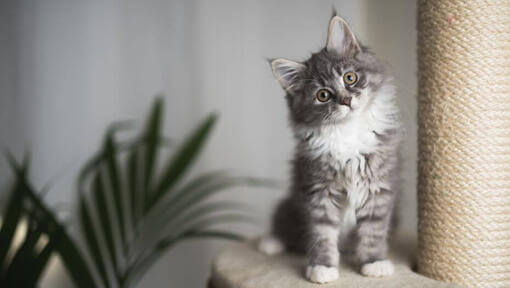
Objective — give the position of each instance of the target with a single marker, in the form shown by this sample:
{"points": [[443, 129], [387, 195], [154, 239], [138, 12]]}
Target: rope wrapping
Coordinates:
{"points": [[464, 141]]}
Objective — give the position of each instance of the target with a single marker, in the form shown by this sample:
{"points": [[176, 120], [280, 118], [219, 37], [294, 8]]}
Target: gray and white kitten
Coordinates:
{"points": [[345, 119]]}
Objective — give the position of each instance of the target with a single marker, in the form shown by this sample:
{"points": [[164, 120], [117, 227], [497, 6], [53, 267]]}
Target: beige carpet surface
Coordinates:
{"points": [[242, 266]]}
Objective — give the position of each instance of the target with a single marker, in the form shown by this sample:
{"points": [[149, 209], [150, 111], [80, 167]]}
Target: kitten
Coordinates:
{"points": [[346, 123]]}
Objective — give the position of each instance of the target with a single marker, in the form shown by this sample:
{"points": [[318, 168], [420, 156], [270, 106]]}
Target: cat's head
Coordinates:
{"points": [[335, 83]]}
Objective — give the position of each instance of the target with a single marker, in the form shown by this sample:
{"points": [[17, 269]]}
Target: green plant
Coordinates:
{"points": [[141, 210], [22, 263], [130, 211]]}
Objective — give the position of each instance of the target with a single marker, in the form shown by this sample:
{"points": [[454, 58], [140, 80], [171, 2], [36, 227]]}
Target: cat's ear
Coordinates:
{"points": [[341, 40], [287, 72]]}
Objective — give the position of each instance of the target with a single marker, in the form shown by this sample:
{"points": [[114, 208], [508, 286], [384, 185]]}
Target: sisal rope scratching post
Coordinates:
{"points": [[464, 141]]}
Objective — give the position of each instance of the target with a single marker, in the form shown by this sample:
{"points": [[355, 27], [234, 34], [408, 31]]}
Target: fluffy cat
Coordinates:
{"points": [[345, 120]]}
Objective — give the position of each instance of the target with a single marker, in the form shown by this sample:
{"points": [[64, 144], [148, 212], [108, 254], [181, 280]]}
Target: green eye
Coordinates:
{"points": [[350, 78], [323, 95]]}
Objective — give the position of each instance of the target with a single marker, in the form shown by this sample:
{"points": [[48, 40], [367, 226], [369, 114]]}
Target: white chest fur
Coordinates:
{"points": [[344, 142], [347, 145]]}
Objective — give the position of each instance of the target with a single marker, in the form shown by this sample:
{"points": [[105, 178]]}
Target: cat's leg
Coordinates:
{"points": [[287, 230], [373, 226], [323, 253]]}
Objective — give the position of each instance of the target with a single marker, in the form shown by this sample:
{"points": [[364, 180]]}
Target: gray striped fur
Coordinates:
{"points": [[345, 166]]}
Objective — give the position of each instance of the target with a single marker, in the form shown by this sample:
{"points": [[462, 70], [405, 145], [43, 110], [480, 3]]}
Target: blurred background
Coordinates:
{"points": [[68, 68]]}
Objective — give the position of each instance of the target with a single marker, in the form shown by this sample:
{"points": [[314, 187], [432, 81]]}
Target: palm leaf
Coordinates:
{"points": [[152, 136], [10, 220], [72, 259], [40, 261], [92, 240], [136, 203], [195, 193], [97, 159], [205, 211], [46, 222], [159, 213], [155, 204], [20, 263], [38, 264], [167, 203], [68, 251], [182, 159], [115, 183], [100, 202]]}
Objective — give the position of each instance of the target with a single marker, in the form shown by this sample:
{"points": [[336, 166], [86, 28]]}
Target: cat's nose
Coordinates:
{"points": [[346, 101]]}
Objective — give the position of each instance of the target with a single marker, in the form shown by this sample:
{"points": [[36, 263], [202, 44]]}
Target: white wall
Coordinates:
{"points": [[68, 68]]}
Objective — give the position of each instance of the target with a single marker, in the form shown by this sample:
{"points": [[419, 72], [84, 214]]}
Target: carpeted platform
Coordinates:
{"points": [[242, 266]]}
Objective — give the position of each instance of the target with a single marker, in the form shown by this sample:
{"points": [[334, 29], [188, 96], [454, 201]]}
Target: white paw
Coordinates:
{"points": [[321, 274], [378, 269], [270, 245]]}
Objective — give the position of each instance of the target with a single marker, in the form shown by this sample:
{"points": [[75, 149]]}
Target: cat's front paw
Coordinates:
{"points": [[321, 274], [270, 245], [378, 268]]}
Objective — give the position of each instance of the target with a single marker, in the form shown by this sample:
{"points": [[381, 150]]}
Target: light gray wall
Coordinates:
{"points": [[68, 68]]}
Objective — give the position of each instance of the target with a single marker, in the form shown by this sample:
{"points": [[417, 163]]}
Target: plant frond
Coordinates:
{"points": [[182, 159], [92, 240], [59, 240], [195, 193], [114, 179], [101, 204], [152, 136]]}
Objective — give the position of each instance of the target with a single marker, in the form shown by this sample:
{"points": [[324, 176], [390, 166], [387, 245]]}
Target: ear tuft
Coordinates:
{"points": [[334, 11], [287, 72], [341, 40]]}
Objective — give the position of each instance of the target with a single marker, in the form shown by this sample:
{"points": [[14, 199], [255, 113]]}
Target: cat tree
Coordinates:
{"points": [[464, 162], [464, 141]]}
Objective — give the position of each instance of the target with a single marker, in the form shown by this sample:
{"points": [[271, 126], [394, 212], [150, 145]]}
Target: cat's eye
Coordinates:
{"points": [[350, 78], [323, 95]]}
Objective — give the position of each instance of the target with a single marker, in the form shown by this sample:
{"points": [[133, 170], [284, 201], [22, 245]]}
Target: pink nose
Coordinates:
{"points": [[346, 101]]}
